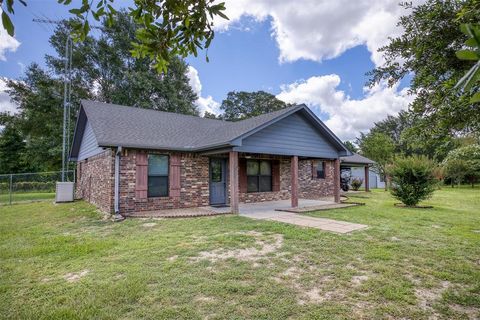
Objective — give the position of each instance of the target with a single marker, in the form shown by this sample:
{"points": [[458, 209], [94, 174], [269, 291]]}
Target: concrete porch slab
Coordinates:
{"points": [[319, 207], [178, 213], [278, 211]]}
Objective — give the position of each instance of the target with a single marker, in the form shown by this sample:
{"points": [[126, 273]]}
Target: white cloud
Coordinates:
{"points": [[7, 43], [5, 103], [321, 29], [347, 117], [203, 103]]}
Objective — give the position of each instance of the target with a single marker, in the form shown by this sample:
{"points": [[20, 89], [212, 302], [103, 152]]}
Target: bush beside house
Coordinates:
{"points": [[356, 183]]}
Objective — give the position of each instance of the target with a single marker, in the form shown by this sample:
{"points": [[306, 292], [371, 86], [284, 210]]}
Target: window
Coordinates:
{"points": [[259, 176], [216, 170], [321, 170], [157, 175]]}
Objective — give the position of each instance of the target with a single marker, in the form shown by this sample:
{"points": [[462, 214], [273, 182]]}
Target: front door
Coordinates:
{"points": [[218, 181]]}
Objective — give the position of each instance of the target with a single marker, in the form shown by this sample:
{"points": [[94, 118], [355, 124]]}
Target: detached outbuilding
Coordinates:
{"points": [[132, 160], [361, 167]]}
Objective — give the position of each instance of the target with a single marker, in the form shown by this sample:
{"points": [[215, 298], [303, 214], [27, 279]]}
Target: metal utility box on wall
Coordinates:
{"points": [[64, 191]]}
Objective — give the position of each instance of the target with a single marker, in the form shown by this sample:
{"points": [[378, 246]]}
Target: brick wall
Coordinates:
{"points": [[309, 186], [194, 190], [95, 182]]}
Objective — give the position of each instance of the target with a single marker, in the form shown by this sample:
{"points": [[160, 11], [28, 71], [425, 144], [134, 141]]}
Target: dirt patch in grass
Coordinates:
{"points": [[471, 313], [321, 292], [74, 277], [149, 224], [313, 286], [307, 293], [204, 299], [358, 280], [172, 258], [313, 295], [265, 244], [292, 272], [426, 297]]}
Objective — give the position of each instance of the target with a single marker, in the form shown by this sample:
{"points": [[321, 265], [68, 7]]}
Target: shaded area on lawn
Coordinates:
{"points": [[64, 261]]}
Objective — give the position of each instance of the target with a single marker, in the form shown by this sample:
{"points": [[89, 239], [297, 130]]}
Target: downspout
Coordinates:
{"points": [[117, 216]]}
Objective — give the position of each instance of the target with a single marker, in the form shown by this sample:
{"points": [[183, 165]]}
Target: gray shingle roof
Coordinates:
{"points": [[115, 125], [356, 159]]}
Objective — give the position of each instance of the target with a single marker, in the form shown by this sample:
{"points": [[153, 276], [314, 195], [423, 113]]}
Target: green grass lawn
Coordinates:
{"points": [[65, 262], [26, 197]]}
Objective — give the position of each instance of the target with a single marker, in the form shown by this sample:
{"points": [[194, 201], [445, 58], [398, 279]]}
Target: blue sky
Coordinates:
{"points": [[294, 56]]}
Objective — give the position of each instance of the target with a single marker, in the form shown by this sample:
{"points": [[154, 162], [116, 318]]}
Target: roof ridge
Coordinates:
{"points": [[229, 122], [150, 110], [272, 112]]}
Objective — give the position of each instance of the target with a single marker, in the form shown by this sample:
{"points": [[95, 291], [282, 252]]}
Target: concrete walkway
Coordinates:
{"points": [[268, 211]]}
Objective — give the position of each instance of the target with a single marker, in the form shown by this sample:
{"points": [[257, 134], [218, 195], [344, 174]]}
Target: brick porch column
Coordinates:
{"points": [[367, 175], [336, 178], [294, 181], [233, 168]]}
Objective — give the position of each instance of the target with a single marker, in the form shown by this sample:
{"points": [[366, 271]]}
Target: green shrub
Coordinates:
{"points": [[356, 183], [413, 179], [463, 164], [28, 186], [25, 186], [456, 170]]}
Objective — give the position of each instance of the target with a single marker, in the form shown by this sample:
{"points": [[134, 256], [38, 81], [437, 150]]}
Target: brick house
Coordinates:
{"points": [[131, 159]]}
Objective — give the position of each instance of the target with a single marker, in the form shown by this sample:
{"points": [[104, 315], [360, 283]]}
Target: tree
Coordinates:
{"points": [[455, 170], [421, 141], [350, 146], [241, 105], [471, 79], [169, 28], [464, 160], [410, 137], [102, 69], [394, 127], [380, 148], [39, 116], [12, 151], [439, 174], [426, 52], [412, 179], [118, 78], [210, 115]]}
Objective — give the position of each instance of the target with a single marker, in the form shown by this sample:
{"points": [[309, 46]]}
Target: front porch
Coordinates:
{"points": [[286, 178]]}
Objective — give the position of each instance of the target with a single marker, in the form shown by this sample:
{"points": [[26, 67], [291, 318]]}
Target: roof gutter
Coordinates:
{"points": [[167, 148], [117, 216]]}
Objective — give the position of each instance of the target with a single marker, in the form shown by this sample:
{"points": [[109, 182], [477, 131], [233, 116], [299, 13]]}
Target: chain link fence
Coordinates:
{"points": [[27, 187]]}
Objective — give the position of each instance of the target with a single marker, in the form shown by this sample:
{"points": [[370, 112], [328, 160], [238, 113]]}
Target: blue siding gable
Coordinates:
{"points": [[293, 135], [89, 146]]}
